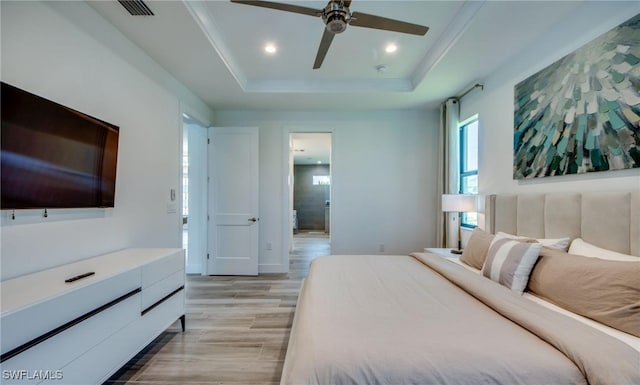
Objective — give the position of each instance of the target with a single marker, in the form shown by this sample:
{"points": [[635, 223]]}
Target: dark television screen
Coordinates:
{"points": [[52, 156]]}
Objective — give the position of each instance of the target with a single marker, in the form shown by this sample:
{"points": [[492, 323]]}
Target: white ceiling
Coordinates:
{"points": [[215, 48], [311, 148]]}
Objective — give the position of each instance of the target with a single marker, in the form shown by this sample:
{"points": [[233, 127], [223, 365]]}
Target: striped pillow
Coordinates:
{"points": [[509, 262]]}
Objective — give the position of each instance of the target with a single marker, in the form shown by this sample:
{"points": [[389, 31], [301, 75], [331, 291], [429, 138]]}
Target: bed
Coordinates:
{"points": [[424, 319]]}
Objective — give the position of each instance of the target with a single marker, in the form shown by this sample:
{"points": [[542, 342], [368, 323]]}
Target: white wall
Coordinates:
{"points": [[48, 50], [383, 178], [494, 105]]}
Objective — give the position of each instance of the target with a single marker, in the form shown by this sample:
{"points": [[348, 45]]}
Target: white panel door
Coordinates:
{"points": [[233, 201]]}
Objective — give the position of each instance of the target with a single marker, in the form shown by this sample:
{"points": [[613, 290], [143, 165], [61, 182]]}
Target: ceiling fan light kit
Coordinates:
{"points": [[270, 48], [337, 16]]}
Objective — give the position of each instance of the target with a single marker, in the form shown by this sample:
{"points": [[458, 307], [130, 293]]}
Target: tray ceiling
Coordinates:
{"points": [[216, 49]]}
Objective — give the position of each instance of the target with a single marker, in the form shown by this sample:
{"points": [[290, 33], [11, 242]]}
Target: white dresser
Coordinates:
{"points": [[81, 332]]}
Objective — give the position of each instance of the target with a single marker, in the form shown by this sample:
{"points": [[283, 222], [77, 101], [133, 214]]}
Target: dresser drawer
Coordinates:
{"points": [[58, 351], [19, 327], [162, 268], [98, 364], [161, 289]]}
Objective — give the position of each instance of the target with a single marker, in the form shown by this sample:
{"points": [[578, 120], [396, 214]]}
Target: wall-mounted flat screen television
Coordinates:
{"points": [[52, 156]]}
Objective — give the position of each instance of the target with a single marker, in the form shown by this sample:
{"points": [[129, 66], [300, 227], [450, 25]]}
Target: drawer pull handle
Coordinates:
{"points": [[77, 277]]}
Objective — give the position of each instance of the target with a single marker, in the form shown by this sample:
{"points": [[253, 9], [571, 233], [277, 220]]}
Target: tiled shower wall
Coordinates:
{"points": [[309, 200]]}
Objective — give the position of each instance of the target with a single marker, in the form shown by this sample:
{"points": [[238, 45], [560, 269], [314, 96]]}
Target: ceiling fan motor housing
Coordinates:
{"points": [[336, 17]]}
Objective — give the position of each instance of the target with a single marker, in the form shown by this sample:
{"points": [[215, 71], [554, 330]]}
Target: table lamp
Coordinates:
{"points": [[459, 203]]}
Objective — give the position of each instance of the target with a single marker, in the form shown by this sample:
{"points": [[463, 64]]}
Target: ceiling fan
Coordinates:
{"points": [[336, 16]]}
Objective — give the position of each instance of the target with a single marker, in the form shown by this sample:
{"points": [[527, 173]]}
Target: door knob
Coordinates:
{"points": [[254, 219]]}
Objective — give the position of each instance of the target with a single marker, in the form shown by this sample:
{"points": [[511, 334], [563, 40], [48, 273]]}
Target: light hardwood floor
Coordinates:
{"points": [[237, 328]]}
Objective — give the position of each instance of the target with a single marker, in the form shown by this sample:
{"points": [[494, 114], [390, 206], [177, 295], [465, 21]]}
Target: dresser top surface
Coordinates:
{"points": [[30, 289]]}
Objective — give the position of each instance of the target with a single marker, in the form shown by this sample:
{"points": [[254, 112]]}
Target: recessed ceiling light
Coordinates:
{"points": [[319, 162], [270, 48], [391, 48]]}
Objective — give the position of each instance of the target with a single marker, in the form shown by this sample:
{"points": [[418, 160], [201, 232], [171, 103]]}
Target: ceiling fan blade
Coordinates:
{"points": [[327, 38], [359, 19], [282, 7]]}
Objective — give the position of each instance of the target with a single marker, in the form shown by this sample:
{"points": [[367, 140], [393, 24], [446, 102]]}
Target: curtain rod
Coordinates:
{"points": [[470, 89]]}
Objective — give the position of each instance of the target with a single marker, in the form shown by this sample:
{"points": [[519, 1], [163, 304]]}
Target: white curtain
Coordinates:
{"points": [[448, 170]]}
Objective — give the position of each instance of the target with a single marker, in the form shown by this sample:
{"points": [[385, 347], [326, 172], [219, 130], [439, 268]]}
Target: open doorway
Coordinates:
{"points": [[311, 191]]}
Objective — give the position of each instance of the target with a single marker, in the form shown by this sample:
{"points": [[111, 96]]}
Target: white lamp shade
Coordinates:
{"points": [[459, 203]]}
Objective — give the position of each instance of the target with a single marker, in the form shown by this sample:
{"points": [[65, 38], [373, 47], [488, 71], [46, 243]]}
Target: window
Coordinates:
{"points": [[321, 180], [469, 165]]}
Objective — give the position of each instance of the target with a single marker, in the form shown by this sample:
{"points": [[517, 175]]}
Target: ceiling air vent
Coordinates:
{"points": [[136, 7]]}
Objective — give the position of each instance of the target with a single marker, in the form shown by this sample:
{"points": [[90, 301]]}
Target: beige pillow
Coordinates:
{"points": [[604, 290], [580, 247], [475, 252]]}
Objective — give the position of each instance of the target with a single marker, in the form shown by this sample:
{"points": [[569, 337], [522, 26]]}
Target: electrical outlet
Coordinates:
{"points": [[381, 248], [269, 246]]}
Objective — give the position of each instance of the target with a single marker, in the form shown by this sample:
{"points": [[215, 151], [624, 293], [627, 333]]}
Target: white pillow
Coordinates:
{"points": [[580, 247], [552, 243], [509, 262]]}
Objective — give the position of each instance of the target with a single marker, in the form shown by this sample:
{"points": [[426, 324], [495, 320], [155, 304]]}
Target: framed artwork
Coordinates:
{"points": [[582, 113]]}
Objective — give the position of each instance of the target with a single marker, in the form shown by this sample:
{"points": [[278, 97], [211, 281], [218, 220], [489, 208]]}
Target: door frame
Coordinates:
{"points": [[287, 185], [188, 117], [191, 128]]}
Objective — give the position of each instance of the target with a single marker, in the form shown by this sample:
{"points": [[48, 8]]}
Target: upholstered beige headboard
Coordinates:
{"points": [[608, 220]]}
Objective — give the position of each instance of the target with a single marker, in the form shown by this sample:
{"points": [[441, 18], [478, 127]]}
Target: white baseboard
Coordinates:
{"points": [[271, 268], [193, 269]]}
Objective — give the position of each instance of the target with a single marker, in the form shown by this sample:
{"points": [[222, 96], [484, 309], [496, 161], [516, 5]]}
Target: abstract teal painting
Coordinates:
{"points": [[582, 113]]}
